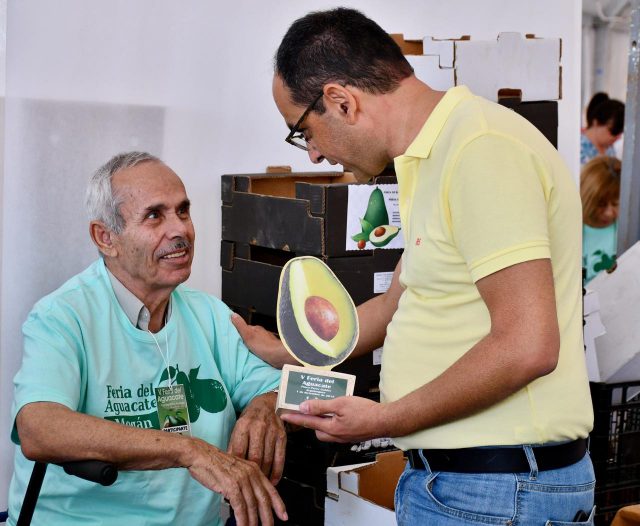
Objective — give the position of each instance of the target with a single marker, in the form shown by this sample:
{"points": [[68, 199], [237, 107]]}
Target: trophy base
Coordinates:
{"points": [[298, 384]]}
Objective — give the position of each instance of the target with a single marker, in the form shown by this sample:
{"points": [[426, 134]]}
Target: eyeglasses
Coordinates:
{"points": [[296, 137]]}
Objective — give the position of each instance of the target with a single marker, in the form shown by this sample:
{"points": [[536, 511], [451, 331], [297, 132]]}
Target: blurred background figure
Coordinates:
{"points": [[605, 123], [600, 193]]}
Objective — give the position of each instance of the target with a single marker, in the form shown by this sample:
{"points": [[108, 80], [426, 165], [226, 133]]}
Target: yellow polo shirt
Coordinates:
{"points": [[481, 189]]}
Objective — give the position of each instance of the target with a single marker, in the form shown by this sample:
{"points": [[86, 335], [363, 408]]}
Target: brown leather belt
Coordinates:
{"points": [[498, 459]]}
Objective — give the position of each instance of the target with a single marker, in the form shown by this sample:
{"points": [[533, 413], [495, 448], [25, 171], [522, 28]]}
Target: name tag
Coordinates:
{"points": [[173, 413]]}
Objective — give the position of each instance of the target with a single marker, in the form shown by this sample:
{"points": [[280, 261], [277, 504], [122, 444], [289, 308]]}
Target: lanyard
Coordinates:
{"points": [[165, 360]]}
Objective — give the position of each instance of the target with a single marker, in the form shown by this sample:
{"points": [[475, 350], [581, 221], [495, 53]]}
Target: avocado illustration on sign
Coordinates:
{"points": [[206, 394], [375, 223], [317, 319]]}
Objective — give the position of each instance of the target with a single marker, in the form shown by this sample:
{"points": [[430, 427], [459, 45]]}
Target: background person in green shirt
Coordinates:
{"points": [[97, 350], [600, 194]]}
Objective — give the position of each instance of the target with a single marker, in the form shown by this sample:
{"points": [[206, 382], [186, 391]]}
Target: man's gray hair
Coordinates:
{"points": [[102, 204]]}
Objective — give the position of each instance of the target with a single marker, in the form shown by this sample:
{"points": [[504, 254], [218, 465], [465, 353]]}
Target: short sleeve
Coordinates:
{"points": [[245, 375], [51, 364], [497, 205]]}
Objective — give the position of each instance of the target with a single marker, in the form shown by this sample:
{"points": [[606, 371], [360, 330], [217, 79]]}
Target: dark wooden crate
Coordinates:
{"points": [[251, 274], [305, 213]]}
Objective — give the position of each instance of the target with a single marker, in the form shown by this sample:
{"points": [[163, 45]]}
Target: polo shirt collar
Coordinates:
{"points": [[424, 141], [133, 308]]}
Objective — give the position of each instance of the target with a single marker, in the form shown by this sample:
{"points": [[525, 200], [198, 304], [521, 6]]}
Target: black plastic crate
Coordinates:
{"points": [[615, 447]]}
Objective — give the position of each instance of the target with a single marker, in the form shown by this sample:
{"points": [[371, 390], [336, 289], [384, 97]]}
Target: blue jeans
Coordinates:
{"points": [[536, 498]]}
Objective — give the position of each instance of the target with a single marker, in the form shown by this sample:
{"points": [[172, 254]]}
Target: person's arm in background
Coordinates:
{"points": [[51, 432], [373, 316]]}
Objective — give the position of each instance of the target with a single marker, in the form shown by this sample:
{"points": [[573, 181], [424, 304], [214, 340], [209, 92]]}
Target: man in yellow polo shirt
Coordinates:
{"points": [[484, 381]]}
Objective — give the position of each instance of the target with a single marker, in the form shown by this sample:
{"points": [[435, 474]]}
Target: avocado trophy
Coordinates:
{"points": [[317, 319]]}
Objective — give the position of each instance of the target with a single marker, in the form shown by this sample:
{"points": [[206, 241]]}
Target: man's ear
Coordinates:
{"points": [[342, 100], [103, 238]]}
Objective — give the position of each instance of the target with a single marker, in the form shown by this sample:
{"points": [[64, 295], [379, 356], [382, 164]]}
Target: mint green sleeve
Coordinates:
{"points": [[51, 364], [245, 375]]}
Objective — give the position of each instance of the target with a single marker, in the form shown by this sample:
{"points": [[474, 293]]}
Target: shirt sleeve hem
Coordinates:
{"points": [[508, 258], [32, 399]]}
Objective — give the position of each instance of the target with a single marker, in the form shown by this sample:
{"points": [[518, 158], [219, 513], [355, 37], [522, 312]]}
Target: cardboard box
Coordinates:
{"points": [[443, 49], [432, 60], [362, 494], [512, 61], [303, 213], [408, 47], [428, 69], [618, 350]]}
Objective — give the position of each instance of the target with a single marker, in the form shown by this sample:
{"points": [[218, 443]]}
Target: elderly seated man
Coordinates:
{"points": [[124, 364]]}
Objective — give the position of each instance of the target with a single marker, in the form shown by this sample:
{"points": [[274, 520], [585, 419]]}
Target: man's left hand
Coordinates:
{"points": [[345, 419], [259, 436]]}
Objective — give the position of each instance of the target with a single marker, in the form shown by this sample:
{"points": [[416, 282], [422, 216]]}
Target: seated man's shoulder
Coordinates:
{"points": [[76, 291]]}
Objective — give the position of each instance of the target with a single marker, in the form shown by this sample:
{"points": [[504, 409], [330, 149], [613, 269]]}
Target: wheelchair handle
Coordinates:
{"points": [[92, 470]]}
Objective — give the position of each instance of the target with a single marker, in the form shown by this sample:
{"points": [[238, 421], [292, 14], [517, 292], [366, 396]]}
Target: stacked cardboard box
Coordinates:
{"points": [[521, 72], [268, 219]]}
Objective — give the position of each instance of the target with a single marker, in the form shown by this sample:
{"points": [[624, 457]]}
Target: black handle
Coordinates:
{"points": [[92, 470]]}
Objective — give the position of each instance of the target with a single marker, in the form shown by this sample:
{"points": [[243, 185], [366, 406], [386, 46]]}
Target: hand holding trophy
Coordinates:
{"points": [[318, 325]]}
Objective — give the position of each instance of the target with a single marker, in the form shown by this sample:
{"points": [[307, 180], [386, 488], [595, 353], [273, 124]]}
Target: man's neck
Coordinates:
{"points": [[405, 111], [156, 300]]}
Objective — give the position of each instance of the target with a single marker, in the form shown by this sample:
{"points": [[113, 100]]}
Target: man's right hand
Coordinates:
{"points": [[249, 492], [263, 343]]}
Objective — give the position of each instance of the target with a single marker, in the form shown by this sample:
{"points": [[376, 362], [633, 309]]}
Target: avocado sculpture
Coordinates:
{"points": [[316, 317], [374, 224]]}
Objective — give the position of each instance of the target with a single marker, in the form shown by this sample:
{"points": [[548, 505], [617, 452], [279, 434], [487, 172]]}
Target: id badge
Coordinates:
{"points": [[173, 413]]}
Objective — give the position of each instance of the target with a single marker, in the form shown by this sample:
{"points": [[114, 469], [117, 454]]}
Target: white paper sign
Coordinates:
{"points": [[381, 282], [377, 356], [373, 217]]}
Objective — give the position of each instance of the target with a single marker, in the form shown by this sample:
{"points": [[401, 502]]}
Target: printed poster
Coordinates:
{"points": [[373, 217]]}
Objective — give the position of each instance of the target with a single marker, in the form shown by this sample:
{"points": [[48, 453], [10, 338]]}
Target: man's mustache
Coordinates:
{"points": [[179, 244]]}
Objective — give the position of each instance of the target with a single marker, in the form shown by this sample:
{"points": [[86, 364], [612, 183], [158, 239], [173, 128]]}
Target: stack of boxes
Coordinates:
{"points": [[521, 72], [268, 219]]}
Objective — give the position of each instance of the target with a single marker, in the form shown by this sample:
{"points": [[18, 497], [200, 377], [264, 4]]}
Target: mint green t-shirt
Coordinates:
{"points": [[81, 351], [599, 247]]}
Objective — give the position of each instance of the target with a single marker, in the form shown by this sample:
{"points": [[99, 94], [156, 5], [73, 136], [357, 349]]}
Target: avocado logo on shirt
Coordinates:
{"points": [[605, 263], [207, 394], [202, 395]]}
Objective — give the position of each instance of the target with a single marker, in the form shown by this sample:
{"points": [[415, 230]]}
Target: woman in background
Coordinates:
{"points": [[605, 123], [600, 194]]}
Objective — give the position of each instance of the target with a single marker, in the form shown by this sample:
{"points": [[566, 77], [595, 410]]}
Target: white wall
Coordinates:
{"points": [[610, 73], [190, 81]]}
